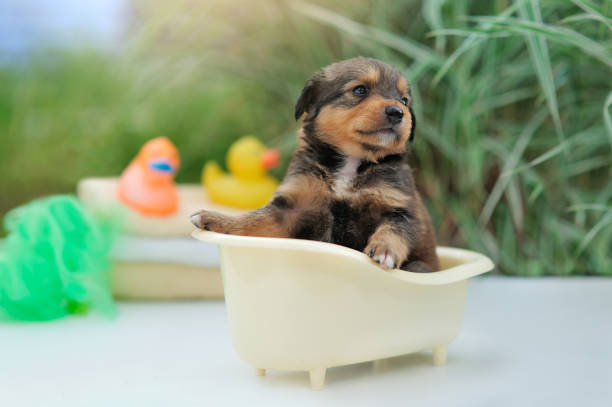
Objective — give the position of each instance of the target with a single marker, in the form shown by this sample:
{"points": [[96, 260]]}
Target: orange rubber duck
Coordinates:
{"points": [[147, 184]]}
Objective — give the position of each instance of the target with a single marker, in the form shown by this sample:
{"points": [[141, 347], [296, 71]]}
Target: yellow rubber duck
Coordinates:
{"points": [[248, 186]]}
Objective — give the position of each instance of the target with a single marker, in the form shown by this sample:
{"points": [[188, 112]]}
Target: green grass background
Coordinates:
{"points": [[513, 152]]}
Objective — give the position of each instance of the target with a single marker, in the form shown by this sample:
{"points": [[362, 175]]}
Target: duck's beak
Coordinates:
{"points": [[162, 166], [270, 158]]}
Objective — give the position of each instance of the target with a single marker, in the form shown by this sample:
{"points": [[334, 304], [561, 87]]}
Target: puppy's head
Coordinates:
{"points": [[361, 106]]}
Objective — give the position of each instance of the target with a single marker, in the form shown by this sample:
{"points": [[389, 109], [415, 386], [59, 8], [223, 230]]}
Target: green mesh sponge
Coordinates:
{"points": [[54, 261]]}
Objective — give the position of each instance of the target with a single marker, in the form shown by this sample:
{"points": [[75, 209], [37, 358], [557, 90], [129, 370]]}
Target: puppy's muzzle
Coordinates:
{"points": [[394, 114]]}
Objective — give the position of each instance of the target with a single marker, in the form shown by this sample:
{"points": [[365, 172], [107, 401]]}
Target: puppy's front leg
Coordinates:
{"points": [[390, 244], [387, 248], [263, 222], [299, 209]]}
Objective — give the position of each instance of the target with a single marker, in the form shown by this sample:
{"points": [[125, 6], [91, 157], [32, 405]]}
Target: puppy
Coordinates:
{"points": [[348, 182]]}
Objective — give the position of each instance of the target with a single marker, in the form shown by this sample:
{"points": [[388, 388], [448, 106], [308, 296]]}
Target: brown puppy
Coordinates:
{"points": [[348, 182]]}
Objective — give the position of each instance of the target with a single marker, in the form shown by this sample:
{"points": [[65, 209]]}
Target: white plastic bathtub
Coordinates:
{"points": [[305, 305]]}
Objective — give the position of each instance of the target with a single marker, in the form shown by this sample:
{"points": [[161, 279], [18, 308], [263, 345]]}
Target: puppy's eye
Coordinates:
{"points": [[360, 90], [404, 101]]}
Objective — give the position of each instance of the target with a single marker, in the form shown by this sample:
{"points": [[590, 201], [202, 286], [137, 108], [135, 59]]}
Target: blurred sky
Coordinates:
{"points": [[28, 24]]}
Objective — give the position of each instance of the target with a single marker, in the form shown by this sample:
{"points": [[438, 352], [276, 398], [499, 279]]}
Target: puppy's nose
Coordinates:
{"points": [[394, 114]]}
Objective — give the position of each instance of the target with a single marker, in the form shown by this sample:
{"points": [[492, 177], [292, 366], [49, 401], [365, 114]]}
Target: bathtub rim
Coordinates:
{"points": [[472, 263]]}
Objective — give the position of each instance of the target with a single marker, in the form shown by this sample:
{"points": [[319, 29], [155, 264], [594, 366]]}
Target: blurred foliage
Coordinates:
{"points": [[513, 153]]}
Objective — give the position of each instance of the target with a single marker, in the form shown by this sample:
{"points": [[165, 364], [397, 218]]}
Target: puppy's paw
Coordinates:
{"points": [[208, 220], [383, 255]]}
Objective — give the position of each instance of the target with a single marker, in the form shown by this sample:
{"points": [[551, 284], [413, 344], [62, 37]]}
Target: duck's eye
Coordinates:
{"points": [[404, 101], [360, 90]]}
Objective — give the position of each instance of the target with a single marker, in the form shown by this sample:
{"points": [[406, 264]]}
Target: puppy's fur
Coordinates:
{"points": [[348, 182]]}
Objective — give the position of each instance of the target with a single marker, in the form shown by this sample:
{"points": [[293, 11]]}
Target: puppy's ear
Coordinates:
{"points": [[307, 97], [412, 124]]}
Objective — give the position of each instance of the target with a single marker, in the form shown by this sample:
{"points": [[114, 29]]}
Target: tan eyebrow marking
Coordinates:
{"points": [[402, 85], [372, 76], [369, 78]]}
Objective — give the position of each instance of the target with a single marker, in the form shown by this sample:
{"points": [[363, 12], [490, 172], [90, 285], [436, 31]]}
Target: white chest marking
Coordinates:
{"points": [[346, 175]]}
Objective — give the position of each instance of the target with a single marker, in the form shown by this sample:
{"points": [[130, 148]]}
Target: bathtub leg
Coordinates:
{"points": [[317, 378], [260, 372], [439, 355]]}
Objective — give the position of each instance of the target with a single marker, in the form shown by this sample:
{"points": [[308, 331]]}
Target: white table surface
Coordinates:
{"points": [[540, 342]]}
